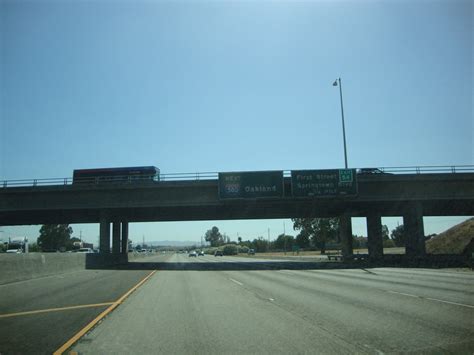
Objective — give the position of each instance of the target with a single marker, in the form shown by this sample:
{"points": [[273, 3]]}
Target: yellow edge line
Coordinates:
{"points": [[54, 310], [89, 326]]}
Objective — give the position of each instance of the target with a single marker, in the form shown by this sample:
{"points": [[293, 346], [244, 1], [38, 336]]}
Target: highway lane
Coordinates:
{"points": [[382, 310], [38, 316]]}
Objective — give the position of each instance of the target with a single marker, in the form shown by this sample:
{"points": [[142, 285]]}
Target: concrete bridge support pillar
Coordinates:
{"points": [[125, 237], [374, 236], [414, 229], [104, 244], [116, 237], [345, 234]]}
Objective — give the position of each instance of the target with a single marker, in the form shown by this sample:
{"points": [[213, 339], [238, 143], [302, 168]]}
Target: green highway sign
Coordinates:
{"points": [[321, 183], [256, 184]]}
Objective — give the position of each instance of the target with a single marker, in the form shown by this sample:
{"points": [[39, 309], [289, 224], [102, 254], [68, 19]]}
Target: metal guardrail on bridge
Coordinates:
{"points": [[429, 169], [214, 175]]}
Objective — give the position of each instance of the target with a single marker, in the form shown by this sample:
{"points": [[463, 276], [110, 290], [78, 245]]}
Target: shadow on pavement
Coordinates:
{"points": [[232, 266]]}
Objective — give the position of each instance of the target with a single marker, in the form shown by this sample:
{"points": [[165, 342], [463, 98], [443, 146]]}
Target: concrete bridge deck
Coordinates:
{"points": [[388, 195], [409, 195]]}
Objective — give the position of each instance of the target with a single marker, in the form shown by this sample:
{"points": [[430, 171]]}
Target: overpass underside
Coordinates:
{"points": [[114, 206], [269, 209]]}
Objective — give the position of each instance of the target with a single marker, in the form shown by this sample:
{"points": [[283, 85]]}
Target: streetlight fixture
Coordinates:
{"points": [[342, 113]]}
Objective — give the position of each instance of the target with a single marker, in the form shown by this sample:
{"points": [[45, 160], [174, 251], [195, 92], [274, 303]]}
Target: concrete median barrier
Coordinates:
{"points": [[19, 267]]}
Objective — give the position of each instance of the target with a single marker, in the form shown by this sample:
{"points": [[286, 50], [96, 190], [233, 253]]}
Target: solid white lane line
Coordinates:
{"points": [[404, 294], [457, 304], [431, 299], [237, 282]]}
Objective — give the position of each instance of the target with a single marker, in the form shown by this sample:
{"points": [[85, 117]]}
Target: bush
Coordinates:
{"points": [[244, 249], [210, 251], [230, 249], [33, 248], [389, 243]]}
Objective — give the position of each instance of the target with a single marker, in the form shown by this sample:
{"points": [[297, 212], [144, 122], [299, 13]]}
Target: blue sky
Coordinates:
{"points": [[193, 86]]}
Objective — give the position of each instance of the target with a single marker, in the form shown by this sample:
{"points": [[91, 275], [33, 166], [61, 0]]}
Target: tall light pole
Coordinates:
{"points": [[343, 125]]}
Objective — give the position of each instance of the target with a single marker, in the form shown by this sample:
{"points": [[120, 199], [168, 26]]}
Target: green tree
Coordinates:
{"points": [[385, 233], [302, 240], [320, 230], [33, 248], [388, 243], [260, 245], [399, 236], [359, 241], [284, 242], [214, 237], [55, 237]]}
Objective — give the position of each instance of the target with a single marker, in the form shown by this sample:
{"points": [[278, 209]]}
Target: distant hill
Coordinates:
{"points": [[453, 241]]}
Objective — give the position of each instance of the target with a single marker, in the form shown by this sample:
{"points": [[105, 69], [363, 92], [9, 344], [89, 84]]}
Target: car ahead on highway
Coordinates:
{"points": [[251, 252], [218, 253], [192, 254], [201, 253]]}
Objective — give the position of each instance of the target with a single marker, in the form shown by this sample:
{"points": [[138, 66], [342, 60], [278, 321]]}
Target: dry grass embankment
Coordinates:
{"points": [[453, 241]]}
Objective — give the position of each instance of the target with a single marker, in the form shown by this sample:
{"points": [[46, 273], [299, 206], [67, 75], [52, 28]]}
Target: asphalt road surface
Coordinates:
{"points": [[38, 316], [219, 305], [384, 310]]}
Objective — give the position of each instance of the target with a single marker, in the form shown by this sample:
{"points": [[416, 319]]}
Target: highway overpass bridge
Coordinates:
{"points": [[411, 196]]}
